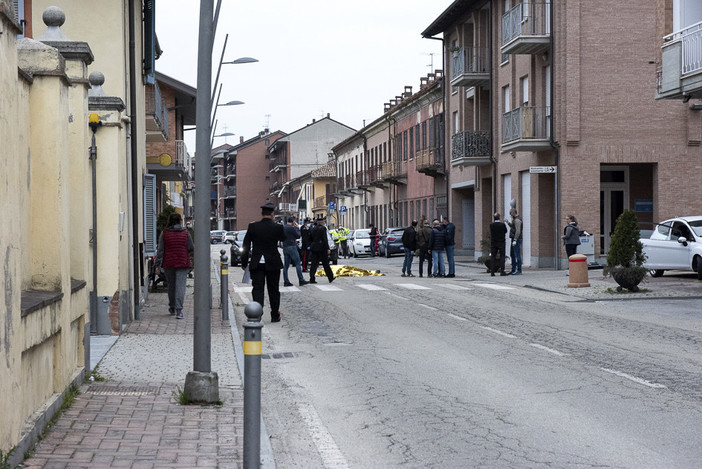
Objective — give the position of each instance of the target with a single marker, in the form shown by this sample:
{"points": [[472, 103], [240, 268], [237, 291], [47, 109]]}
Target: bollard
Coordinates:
{"points": [[224, 284], [577, 271], [252, 385]]}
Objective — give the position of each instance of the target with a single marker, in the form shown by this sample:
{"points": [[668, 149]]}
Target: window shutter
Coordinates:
{"points": [[150, 214], [150, 41]]}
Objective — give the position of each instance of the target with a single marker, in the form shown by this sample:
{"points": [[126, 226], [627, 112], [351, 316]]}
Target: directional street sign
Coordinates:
{"points": [[542, 169]]}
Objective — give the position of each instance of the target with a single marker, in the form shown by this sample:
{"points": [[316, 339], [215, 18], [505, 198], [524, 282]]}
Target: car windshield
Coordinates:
{"points": [[696, 227], [362, 234]]}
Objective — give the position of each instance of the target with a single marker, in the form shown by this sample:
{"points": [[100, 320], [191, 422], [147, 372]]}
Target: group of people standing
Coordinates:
{"points": [[430, 244], [498, 234]]}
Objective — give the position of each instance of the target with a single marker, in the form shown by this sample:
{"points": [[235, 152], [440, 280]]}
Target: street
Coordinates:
{"points": [[476, 371]]}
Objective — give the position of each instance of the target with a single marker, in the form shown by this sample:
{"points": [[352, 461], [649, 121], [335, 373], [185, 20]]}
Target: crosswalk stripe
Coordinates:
{"points": [[371, 287], [451, 286], [412, 286], [493, 286], [328, 288], [286, 289], [245, 289]]}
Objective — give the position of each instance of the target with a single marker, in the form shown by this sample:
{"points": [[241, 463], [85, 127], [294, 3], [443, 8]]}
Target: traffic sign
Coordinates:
{"points": [[342, 209], [542, 169], [332, 205]]}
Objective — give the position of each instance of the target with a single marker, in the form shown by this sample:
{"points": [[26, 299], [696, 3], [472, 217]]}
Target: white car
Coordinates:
{"points": [[229, 237], [359, 243], [675, 244]]}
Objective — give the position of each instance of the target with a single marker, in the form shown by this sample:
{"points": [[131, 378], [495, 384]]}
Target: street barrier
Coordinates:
{"points": [[224, 284], [252, 385]]}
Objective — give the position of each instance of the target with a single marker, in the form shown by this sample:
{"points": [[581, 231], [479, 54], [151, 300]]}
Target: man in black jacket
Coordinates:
{"points": [[409, 243], [437, 246], [498, 231], [319, 245], [265, 259]]}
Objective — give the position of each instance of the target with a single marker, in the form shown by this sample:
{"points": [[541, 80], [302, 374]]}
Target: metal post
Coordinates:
{"points": [[224, 282], [201, 333], [252, 385]]}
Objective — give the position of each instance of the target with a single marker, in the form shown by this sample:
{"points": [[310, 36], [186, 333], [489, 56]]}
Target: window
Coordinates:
{"points": [[506, 98], [424, 135], [404, 146], [455, 122], [417, 143], [524, 81], [411, 142]]}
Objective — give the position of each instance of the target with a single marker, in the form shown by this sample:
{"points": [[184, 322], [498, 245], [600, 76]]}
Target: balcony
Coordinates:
{"points": [[526, 29], [471, 148], [229, 193], [680, 74], [322, 202], [430, 161], [156, 115], [229, 213], [395, 172], [526, 129], [171, 167], [470, 66]]}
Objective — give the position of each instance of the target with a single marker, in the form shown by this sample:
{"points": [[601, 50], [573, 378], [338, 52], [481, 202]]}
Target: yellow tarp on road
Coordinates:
{"points": [[348, 271]]}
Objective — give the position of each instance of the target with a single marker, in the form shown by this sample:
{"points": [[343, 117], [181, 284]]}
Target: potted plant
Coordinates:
{"points": [[625, 257]]}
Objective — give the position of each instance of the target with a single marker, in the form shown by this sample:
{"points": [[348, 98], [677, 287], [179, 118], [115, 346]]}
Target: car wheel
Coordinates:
{"points": [[699, 268], [387, 252], [354, 254], [656, 272]]}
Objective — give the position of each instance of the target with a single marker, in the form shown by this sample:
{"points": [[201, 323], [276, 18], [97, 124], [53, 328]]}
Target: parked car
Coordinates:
{"points": [[359, 243], [217, 236], [675, 244], [390, 242], [236, 248], [229, 237]]}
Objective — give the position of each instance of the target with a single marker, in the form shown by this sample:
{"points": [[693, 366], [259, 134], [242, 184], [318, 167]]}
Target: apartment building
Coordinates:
{"points": [[550, 106], [393, 171]]}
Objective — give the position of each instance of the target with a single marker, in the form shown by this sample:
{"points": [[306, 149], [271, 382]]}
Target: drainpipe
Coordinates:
{"points": [[94, 123], [556, 154], [136, 256], [391, 147]]}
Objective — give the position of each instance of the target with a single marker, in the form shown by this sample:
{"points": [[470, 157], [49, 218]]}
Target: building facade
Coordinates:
{"points": [[550, 107]]}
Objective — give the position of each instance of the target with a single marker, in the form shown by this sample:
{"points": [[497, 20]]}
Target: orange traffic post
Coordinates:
{"points": [[577, 271]]}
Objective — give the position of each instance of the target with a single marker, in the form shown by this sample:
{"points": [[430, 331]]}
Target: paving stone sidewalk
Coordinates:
{"points": [[133, 419]]}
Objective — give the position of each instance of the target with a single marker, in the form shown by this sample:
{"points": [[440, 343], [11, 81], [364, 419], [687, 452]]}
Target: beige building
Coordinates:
{"points": [[552, 105], [72, 129]]}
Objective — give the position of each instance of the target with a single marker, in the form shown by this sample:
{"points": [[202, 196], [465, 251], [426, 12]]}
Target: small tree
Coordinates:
{"points": [[162, 220], [625, 257]]}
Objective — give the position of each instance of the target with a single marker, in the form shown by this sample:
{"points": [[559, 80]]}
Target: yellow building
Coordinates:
{"points": [[74, 216]]}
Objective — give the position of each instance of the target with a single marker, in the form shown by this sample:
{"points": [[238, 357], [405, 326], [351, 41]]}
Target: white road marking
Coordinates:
{"points": [[246, 289], [397, 296], [494, 286], [451, 286], [549, 350], [635, 379], [457, 317], [289, 289], [427, 307], [499, 332], [328, 288], [412, 286], [332, 457], [371, 287]]}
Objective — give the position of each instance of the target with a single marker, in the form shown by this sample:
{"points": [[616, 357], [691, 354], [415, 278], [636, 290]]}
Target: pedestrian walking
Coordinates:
{"points": [[450, 246], [437, 247], [571, 235], [498, 231], [320, 246], [409, 243], [261, 247], [373, 239], [290, 252], [173, 256], [515, 234], [343, 237], [423, 235]]}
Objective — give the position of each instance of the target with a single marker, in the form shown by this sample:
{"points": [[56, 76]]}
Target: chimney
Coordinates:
{"points": [[328, 116], [408, 92], [241, 139], [386, 108]]}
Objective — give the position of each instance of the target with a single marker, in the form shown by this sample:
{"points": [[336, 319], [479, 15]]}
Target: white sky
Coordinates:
{"points": [[315, 57]]}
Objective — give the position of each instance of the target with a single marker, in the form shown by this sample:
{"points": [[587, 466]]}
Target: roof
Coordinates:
{"points": [[446, 19], [185, 95], [327, 170]]}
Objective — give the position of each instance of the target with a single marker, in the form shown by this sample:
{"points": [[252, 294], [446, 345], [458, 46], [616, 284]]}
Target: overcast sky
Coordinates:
{"points": [[316, 57]]}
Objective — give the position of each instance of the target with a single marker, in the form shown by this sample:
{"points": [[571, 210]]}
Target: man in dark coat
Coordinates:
{"points": [[498, 231], [319, 245], [265, 263], [305, 233], [409, 243], [437, 246]]}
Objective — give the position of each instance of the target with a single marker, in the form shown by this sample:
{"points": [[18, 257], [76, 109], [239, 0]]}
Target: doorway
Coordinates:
{"points": [[614, 199]]}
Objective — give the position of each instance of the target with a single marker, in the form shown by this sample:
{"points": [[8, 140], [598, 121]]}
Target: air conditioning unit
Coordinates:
{"points": [[285, 207]]}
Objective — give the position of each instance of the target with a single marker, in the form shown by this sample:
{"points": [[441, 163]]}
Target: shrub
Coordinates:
{"points": [[625, 248]]}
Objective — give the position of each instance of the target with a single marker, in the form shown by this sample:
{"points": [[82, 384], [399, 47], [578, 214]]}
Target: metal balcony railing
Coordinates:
{"points": [[430, 160], [470, 66], [471, 144], [393, 170], [524, 123], [527, 21]]}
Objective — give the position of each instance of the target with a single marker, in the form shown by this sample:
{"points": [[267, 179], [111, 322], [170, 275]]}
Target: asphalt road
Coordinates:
{"points": [[375, 372]]}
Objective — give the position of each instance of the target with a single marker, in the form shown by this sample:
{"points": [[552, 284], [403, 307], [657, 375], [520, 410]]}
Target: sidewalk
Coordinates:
{"points": [[133, 419]]}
